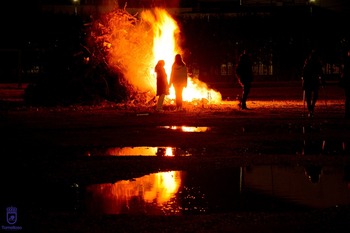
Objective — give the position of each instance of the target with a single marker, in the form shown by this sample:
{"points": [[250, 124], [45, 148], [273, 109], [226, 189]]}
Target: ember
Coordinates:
{"points": [[135, 44]]}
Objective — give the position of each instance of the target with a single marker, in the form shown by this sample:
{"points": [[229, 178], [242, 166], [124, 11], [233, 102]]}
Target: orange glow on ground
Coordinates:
{"points": [[138, 151]]}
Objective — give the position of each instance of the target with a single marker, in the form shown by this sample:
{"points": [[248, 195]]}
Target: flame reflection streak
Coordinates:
{"points": [[140, 151], [187, 128], [136, 151], [153, 193]]}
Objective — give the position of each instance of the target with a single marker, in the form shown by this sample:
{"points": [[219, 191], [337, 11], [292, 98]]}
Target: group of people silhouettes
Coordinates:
{"points": [[178, 79], [312, 78]]}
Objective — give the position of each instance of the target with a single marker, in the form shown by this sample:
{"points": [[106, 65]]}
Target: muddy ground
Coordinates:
{"points": [[42, 146]]}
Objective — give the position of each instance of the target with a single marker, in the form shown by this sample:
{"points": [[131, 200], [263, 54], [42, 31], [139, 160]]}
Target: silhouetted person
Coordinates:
{"points": [[245, 77], [345, 83], [162, 84], [178, 78], [311, 77], [313, 172], [347, 174]]}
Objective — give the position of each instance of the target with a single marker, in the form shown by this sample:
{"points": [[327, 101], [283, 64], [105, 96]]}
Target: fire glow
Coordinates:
{"points": [[135, 46]]}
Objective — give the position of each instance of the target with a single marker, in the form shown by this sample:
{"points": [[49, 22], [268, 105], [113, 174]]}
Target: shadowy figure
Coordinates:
{"points": [[162, 84], [161, 151], [347, 175], [178, 78], [311, 78], [245, 77], [313, 172], [345, 83]]}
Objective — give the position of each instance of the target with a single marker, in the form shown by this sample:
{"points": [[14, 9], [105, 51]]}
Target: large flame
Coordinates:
{"points": [[136, 48]]}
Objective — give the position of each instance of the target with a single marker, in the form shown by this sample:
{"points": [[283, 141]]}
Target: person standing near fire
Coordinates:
{"points": [[244, 70], [178, 78], [162, 84], [311, 79]]}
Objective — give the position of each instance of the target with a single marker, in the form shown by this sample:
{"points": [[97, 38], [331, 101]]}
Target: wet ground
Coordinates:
{"points": [[44, 149]]}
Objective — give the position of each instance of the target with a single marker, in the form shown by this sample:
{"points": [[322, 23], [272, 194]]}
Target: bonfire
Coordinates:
{"points": [[132, 44]]}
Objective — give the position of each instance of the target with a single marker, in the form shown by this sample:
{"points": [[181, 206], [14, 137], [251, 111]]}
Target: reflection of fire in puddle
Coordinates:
{"points": [[242, 188], [186, 128], [196, 191], [152, 194], [141, 151]]}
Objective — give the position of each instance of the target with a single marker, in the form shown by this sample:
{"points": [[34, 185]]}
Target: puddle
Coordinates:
{"points": [[267, 188], [311, 186], [324, 147], [254, 188], [152, 151], [144, 151], [304, 147]]}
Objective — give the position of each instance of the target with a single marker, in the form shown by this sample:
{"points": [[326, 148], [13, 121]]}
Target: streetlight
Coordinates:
{"points": [[311, 3]]}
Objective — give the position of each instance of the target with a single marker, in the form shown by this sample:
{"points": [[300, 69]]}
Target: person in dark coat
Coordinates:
{"points": [[345, 83], [178, 79], [245, 77], [312, 77], [162, 84]]}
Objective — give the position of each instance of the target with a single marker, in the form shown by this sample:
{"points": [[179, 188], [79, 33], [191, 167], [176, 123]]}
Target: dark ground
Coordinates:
{"points": [[45, 145]]}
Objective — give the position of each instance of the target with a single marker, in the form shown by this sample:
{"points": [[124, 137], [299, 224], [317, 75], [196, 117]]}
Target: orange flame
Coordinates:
{"points": [[165, 48]]}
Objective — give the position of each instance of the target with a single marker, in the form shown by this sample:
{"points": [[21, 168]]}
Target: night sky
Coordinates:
{"points": [[25, 6], [19, 12]]}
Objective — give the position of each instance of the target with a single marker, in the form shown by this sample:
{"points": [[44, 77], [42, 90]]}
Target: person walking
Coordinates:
{"points": [[312, 76], [162, 84], [178, 78], [245, 77], [345, 83]]}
